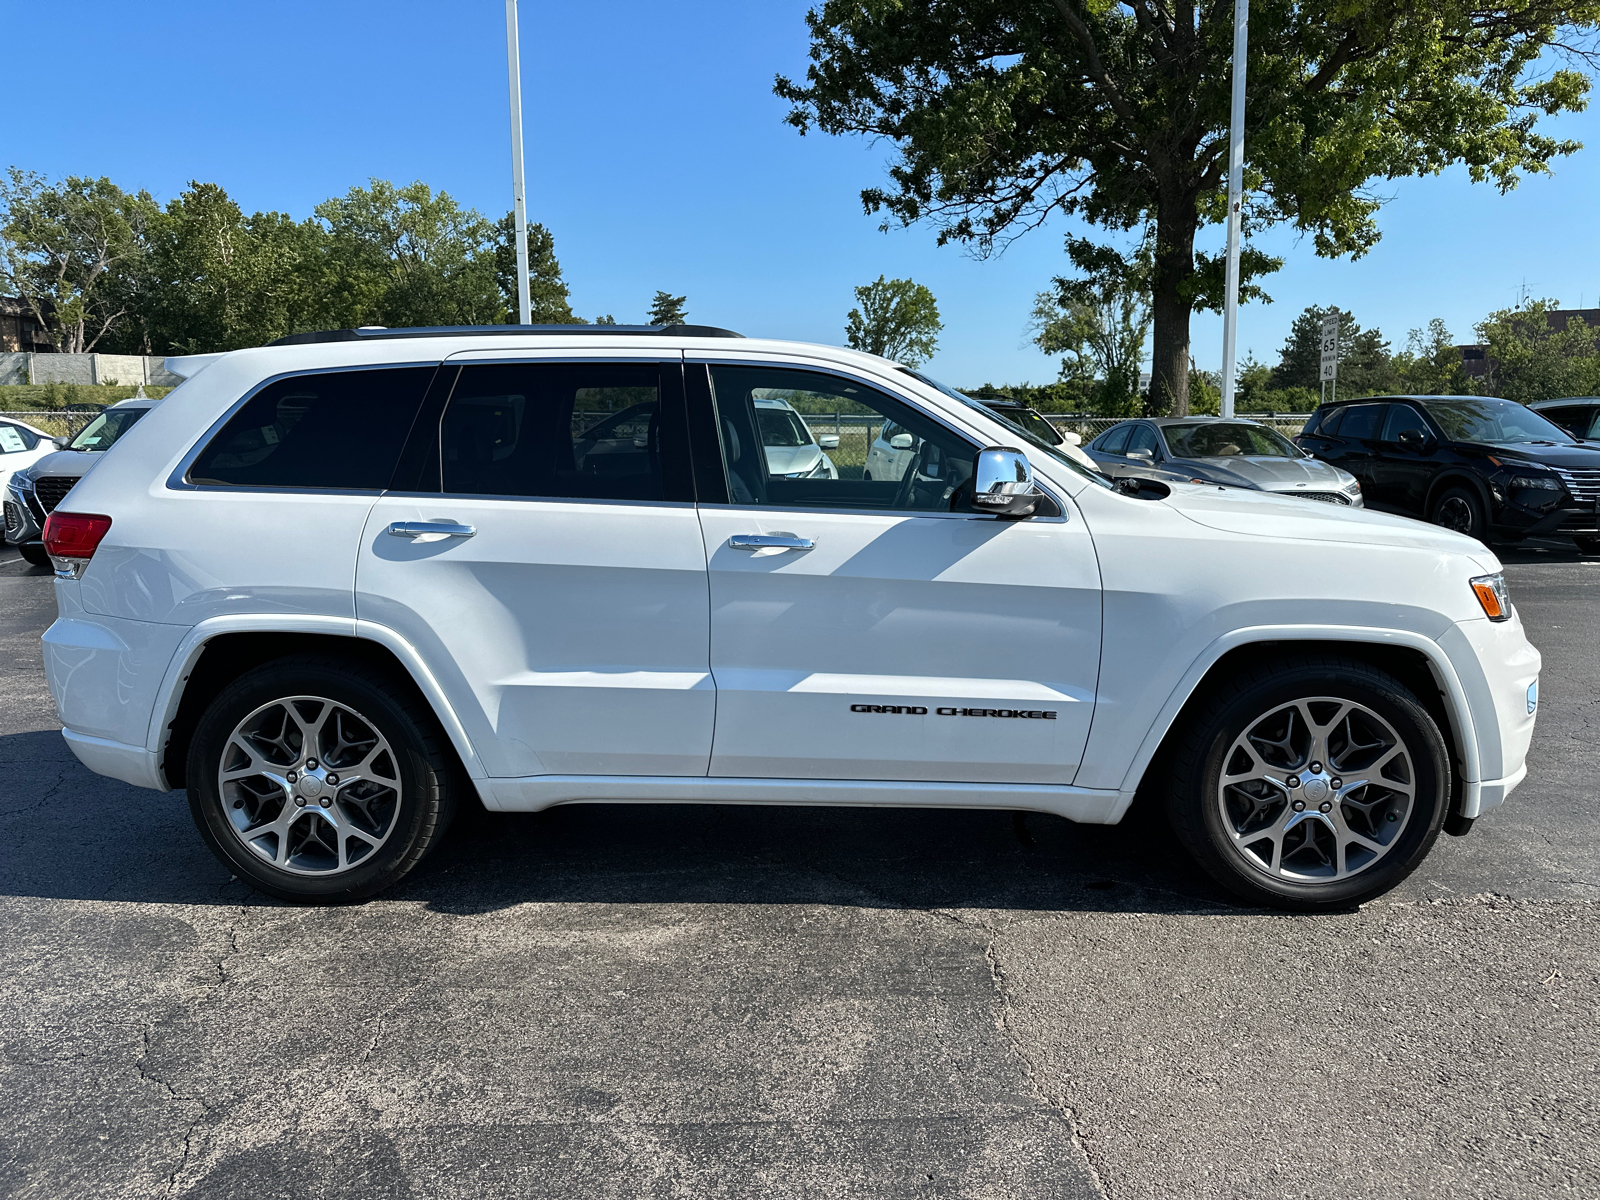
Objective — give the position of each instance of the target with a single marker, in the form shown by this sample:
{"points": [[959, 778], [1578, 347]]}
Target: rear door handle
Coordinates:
{"points": [[419, 528], [769, 541]]}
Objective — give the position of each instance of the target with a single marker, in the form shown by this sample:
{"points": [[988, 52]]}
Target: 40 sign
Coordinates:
{"points": [[1330, 346]]}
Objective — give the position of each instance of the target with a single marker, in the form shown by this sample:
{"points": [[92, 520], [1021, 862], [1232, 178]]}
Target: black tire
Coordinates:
{"points": [[1588, 545], [34, 553], [1461, 509], [408, 825], [1202, 811]]}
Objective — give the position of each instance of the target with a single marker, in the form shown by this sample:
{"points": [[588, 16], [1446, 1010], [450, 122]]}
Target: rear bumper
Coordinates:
{"points": [[116, 760]]}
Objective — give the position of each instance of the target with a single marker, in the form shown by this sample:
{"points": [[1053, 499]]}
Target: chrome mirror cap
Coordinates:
{"points": [[1002, 483]]}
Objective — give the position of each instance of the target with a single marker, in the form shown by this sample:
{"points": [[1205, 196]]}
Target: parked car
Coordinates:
{"points": [[319, 589], [1227, 451], [31, 494], [792, 450], [1578, 415], [1484, 467], [1031, 421], [21, 445]]}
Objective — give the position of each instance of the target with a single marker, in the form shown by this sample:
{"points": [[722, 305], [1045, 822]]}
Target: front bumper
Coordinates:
{"points": [[24, 519], [1499, 672]]}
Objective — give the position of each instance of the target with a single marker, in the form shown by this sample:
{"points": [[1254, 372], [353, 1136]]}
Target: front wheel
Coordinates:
{"points": [[1460, 509], [316, 779], [1314, 783]]}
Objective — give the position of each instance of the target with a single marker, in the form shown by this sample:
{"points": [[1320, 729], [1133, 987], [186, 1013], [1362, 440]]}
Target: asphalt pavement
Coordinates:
{"points": [[693, 1001]]}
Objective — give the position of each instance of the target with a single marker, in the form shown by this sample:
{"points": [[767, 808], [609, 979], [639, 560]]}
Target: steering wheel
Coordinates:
{"points": [[652, 442], [908, 481]]}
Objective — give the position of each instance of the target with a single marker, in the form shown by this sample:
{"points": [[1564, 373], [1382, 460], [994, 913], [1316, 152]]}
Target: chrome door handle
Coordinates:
{"points": [[419, 528], [769, 541]]}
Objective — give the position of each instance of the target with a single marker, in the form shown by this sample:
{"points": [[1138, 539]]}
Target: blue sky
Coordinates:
{"points": [[658, 157]]}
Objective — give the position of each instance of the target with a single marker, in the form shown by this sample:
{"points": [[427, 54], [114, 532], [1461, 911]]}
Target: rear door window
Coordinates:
{"points": [[592, 431], [1360, 421], [335, 430]]}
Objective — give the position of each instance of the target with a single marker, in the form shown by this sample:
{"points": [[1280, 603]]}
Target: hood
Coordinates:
{"points": [[786, 460], [1550, 456], [1271, 472], [1259, 514], [74, 463]]}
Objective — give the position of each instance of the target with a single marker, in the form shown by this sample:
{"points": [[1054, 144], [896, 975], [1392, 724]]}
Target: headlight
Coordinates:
{"points": [[1542, 483], [1493, 594], [818, 471], [1353, 488]]}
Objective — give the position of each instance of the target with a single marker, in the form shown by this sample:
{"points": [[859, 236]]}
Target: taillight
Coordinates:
{"points": [[72, 538]]}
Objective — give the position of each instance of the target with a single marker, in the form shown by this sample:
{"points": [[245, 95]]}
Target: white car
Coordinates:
{"points": [[21, 445], [792, 450], [336, 587]]}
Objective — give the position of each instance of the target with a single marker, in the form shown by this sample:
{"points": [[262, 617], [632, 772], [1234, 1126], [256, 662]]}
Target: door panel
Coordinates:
{"points": [[571, 636], [925, 613]]}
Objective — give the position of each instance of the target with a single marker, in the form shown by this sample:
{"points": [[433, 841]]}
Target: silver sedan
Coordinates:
{"points": [[1227, 451]]}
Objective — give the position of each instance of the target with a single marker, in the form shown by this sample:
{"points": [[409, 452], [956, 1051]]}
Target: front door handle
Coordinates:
{"points": [[422, 528], [769, 541]]}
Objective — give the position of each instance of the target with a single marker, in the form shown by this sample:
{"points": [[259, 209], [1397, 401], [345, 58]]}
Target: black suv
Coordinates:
{"points": [[1485, 467]]}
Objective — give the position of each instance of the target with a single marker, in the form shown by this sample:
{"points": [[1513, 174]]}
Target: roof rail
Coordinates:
{"points": [[378, 332]]}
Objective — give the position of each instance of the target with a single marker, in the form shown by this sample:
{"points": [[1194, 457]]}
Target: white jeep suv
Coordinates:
{"points": [[338, 585]]}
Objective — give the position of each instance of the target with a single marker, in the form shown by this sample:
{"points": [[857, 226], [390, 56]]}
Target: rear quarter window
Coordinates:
{"points": [[336, 430]]}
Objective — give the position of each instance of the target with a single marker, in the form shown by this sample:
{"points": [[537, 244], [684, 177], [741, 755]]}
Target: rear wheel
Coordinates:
{"points": [[1310, 784], [314, 780], [1460, 509]]}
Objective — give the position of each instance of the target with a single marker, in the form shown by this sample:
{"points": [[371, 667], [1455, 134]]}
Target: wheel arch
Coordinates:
{"points": [[1449, 478], [216, 653], [1416, 661]]}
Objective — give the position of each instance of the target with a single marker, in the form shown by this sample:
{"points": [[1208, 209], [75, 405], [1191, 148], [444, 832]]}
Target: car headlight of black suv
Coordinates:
{"points": [[1535, 491]]}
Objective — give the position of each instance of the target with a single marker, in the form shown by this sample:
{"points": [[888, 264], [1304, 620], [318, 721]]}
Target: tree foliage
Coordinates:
{"points": [[667, 309], [548, 297], [1100, 332], [1364, 362], [895, 319], [1116, 113], [1534, 355]]}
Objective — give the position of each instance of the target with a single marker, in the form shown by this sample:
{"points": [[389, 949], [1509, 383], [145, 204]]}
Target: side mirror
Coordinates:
{"points": [[1140, 455], [1071, 438], [1002, 483], [829, 441], [62, 443], [1413, 439], [902, 441]]}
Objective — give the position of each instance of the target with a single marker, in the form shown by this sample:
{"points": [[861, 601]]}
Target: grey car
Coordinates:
{"points": [[1222, 450], [32, 493]]}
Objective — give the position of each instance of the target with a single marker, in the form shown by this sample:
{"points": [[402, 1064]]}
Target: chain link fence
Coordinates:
{"points": [[57, 423]]}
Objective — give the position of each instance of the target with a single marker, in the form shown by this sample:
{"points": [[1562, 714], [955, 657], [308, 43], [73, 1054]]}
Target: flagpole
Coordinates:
{"points": [[1230, 309], [519, 191]]}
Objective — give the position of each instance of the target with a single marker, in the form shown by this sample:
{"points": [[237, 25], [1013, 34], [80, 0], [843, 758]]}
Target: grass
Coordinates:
{"points": [[53, 397]]}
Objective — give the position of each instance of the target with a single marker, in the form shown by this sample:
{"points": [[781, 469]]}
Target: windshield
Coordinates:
{"points": [[1493, 422], [1026, 418], [106, 428], [1028, 436], [782, 427], [1225, 439]]}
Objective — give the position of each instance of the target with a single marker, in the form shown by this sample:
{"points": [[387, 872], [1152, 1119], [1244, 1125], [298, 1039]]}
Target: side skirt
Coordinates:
{"points": [[538, 792]]}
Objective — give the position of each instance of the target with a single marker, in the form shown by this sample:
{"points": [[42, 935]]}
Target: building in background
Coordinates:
{"points": [[20, 330]]}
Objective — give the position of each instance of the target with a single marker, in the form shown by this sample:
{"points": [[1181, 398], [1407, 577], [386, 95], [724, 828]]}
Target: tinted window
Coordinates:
{"points": [[104, 430], [888, 455], [1493, 422], [1325, 422], [1142, 438], [338, 429], [1361, 421], [14, 438], [558, 430], [1401, 418], [1114, 441]]}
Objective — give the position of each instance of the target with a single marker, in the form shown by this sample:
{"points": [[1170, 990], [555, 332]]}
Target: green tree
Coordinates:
{"points": [[548, 300], [1117, 114], [1430, 365], [1100, 331], [76, 252], [1364, 369], [1535, 357], [667, 309], [897, 319], [405, 256]]}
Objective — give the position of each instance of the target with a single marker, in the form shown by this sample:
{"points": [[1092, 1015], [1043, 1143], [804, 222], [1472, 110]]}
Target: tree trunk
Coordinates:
{"points": [[1174, 266]]}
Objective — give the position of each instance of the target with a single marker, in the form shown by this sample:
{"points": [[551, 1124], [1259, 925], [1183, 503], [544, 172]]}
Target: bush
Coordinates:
{"points": [[53, 397]]}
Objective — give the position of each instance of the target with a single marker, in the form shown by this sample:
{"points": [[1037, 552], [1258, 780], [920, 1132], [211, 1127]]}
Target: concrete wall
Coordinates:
{"points": [[129, 369]]}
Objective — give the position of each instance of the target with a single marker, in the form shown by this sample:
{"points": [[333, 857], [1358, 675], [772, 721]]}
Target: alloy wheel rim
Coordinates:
{"points": [[309, 786], [1455, 513], [1316, 790]]}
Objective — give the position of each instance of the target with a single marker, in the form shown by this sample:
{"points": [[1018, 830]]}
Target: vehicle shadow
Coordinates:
{"points": [[1542, 550], [70, 834]]}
